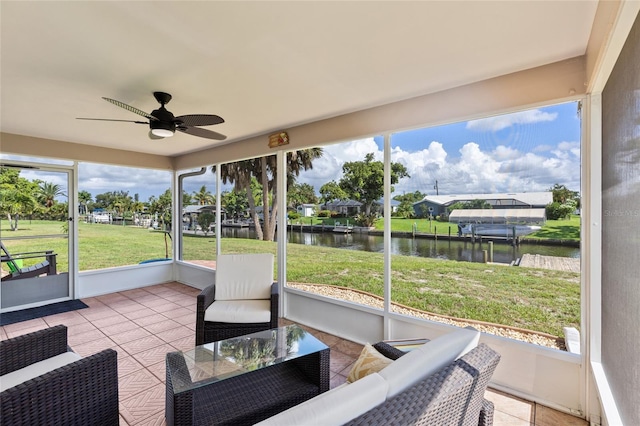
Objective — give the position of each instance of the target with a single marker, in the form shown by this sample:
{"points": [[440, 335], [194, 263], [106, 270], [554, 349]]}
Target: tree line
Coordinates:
{"points": [[254, 185]]}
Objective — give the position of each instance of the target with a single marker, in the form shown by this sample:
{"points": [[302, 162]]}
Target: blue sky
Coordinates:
{"points": [[525, 151]]}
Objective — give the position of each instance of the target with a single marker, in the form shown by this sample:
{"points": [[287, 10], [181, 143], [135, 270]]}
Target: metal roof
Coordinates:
{"points": [[514, 198], [498, 216]]}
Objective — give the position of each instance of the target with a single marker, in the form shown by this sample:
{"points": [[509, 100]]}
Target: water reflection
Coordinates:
{"points": [[437, 249]]}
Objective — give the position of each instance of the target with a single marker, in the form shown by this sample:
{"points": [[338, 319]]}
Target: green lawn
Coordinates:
{"points": [[534, 299], [565, 229]]}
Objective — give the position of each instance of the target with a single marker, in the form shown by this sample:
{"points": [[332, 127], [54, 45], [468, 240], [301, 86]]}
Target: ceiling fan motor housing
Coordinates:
{"points": [[165, 121]]}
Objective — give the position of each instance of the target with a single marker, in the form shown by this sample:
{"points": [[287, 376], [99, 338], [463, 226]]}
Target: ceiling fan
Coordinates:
{"points": [[163, 124]]}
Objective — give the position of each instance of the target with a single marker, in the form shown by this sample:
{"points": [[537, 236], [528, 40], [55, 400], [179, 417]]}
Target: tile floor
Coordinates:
{"points": [[142, 325]]}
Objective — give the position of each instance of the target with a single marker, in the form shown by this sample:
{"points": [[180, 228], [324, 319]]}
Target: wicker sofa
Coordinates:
{"points": [[44, 383], [401, 394]]}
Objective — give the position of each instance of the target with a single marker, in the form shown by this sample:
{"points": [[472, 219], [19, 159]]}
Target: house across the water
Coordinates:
{"points": [[435, 205]]}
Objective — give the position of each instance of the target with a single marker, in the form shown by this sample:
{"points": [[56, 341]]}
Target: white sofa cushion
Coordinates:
{"points": [[428, 358], [244, 276], [336, 406], [37, 369], [239, 311]]}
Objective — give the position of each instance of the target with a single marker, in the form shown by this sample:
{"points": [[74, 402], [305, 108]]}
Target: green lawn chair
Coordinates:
{"points": [[17, 270]]}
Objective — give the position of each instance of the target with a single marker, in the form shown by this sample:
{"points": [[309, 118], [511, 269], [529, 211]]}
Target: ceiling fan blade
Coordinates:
{"points": [[152, 136], [130, 108], [199, 119], [111, 119], [203, 133]]}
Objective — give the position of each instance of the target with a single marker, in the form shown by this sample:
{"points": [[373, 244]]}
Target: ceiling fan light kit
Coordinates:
{"points": [[163, 124], [162, 129]]}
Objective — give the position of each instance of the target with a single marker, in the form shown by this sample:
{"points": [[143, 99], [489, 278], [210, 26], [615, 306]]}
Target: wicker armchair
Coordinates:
{"points": [[452, 396], [243, 291], [84, 392]]}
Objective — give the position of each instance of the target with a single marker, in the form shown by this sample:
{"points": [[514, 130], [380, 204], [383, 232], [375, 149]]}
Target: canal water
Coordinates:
{"points": [[424, 247]]}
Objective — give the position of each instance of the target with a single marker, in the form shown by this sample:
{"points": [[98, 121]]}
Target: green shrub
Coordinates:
{"points": [[557, 211]]}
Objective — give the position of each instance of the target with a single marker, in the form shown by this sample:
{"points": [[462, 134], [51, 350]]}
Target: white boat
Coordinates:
{"points": [[503, 230], [344, 229]]}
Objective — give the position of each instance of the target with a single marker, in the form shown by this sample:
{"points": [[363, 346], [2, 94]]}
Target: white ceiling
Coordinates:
{"points": [[262, 66]]}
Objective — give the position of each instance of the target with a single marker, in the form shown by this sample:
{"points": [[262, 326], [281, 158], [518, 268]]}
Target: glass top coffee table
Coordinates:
{"points": [[245, 379]]}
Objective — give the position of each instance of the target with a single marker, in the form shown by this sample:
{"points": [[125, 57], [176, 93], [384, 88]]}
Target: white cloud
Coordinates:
{"points": [[499, 122], [100, 178], [471, 170]]}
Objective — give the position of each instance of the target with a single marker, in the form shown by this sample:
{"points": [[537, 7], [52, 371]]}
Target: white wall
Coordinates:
{"points": [[535, 373]]}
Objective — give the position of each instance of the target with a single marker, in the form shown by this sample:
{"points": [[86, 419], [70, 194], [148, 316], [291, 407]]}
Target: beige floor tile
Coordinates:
{"points": [[546, 416], [327, 339], [66, 318], [127, 365], [339, 361], [508, 404], [156, 419], [140, 345], [153, 355], [112, 320], [85, 337], [185, 301], [139, 313], [337, 380], [151, 300], [111, 298], [93, 302], [143, 405], [93, 347], [185, 343], [348, 348], [130, 335], [93, 314], [157, 327], [166, 307], [37, 323], [79, 328], [159, 370], [175, 334], [504, 419], [136, 382], [119, 328], [189, 319], [126, 307], [150, 319], [20, 332], [177, 312]]}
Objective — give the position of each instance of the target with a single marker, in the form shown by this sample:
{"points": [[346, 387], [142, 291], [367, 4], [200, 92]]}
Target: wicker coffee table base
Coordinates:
{"points": [[248, 398]]}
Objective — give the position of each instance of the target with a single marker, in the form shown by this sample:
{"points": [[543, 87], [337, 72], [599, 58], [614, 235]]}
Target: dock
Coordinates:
{"points": [[550, 262]]}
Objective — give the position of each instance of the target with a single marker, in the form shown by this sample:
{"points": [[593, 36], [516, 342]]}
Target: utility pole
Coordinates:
{"points": [[436, 188]]}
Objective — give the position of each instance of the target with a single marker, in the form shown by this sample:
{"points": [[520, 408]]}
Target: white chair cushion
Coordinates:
{"points": [[244, 276], [239, 311], [428, 358], [336, 406], [37, 369]]}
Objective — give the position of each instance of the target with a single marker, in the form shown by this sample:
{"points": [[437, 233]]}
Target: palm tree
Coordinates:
{"points": [[84, 198], [203, 196], [48, 192], [265, 170]]}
